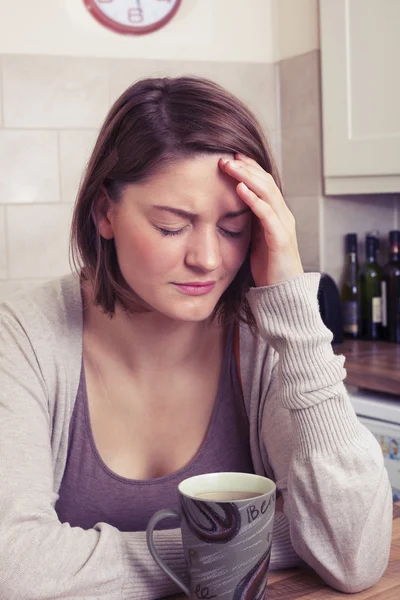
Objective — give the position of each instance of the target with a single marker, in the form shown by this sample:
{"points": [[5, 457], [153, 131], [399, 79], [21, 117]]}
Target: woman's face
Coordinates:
{"points": [[180, 237]]}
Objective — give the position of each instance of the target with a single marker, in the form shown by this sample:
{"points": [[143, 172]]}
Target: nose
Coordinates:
{"points": [[203, 251]]}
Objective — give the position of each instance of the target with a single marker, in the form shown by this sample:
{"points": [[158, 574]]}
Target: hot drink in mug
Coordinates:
{"points": [[226, 522]]}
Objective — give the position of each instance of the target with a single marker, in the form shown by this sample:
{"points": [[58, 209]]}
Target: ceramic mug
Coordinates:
{"points": [[226, 522]]}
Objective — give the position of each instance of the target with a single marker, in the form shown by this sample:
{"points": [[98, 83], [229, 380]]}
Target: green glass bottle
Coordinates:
{"points": [[391, 291], [371, 292], [350, 289]]}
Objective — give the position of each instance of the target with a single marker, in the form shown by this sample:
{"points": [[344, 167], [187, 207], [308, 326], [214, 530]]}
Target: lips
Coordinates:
{"points": [[196, 288], [197, 283]]}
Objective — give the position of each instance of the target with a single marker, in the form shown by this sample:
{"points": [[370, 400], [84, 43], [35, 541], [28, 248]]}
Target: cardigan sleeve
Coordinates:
{"points": [[329, 467], [40, 558]]}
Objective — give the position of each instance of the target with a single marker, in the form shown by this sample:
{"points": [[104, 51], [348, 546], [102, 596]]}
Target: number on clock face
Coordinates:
{"points": [[133, 16]]}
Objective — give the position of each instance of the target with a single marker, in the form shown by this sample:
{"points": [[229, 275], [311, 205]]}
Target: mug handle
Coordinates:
{"points": [[158, 516]]}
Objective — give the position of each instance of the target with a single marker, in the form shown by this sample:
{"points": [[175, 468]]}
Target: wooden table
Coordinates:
{"points": [[372, 365], [304, 584]]}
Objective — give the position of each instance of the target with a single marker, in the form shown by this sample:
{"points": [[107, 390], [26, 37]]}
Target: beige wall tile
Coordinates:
{"points": [[54, 91], [11, 287], [358, 214], [300, 98], [296, 26], [124, 72], [301, 161], [1, 91], [255, 84], [38, 240], [29, 166], [3, 255], [275, 142], [306, 213], [75, 150]]}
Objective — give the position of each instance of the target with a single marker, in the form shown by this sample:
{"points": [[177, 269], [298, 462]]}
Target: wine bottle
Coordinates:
{"points": [[350, 289], [371, 292], [391, 291]]}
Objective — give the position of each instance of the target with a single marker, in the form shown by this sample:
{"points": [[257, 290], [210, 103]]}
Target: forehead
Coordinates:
{"points": [[195, 184]]}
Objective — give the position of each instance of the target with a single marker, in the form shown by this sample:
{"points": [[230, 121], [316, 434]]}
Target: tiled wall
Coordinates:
{"points": [[50, 111], [301, 150], [321, 221]]}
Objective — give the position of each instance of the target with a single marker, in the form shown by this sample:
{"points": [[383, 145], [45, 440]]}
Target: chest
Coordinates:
{"points": [[151, 427], [153, 455]]}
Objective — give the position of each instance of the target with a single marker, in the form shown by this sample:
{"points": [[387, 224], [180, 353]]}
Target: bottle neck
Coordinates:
{"points": [[394, 253], [371, 251], [352, 257], [351, 268]]}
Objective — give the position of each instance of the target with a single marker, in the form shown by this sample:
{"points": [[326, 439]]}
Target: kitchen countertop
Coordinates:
{"points": [[372, 365]]}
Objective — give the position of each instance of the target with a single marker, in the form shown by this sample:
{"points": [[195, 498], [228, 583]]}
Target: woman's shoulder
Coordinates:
{"points": [[49, 316], [57, 302], [41, 355]]}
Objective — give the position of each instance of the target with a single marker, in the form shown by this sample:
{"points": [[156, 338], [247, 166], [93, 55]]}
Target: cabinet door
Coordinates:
{"points": [[360, 57]]}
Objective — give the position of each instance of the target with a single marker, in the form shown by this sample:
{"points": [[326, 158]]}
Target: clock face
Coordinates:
{"points": [[133, 16]]}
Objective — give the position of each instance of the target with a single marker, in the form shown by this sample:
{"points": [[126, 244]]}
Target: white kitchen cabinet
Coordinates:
{"points": [[360, 60]]}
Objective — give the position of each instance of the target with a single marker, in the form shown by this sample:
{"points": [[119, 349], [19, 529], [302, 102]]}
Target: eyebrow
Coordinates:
{"points": [[189, 215]]}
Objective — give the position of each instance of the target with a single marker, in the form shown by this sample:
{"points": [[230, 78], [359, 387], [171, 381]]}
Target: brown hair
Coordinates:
{"points": [[156, 122]]}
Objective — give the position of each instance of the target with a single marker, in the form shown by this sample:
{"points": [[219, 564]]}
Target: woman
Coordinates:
{"points": [[117, 384]]}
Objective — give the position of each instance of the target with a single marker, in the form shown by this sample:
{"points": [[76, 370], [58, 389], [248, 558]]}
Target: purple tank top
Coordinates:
{"points": [[91, 493]]}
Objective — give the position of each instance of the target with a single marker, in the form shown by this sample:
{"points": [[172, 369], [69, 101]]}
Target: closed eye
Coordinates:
{"points": [[170, 231], [226, 232], [233, 234]]}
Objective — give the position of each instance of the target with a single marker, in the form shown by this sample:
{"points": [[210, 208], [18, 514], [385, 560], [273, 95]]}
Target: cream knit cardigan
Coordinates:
{"points": [[303, 433]]}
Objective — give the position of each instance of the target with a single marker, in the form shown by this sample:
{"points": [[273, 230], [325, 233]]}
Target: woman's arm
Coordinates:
{"points": [[337, 495], [336, 490], [40, 558]]}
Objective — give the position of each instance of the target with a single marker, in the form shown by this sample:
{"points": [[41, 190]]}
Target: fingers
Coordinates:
{"points": [[268, 218], [258, 181], [254, 180], [249, 162]]}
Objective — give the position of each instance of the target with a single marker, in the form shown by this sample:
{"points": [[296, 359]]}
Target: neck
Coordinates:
{"points": [[148, 341]]}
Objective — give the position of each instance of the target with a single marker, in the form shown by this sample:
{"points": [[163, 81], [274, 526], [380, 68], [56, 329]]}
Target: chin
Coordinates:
{"points": [[193, 316], [189, 311]]}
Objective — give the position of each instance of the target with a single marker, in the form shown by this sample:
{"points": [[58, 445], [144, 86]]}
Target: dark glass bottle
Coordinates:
{"points": [[391, 291], [371, 292], [350, 289]]}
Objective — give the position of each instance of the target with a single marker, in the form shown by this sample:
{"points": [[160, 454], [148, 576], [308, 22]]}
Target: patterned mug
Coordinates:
{"points": [[226, 522]]}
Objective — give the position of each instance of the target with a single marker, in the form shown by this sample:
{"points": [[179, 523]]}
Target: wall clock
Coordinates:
{"points": [[133, 16]]}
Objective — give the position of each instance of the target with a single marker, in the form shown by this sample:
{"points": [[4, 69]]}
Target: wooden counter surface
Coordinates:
{"points": [[372, 365], [305, 584]]}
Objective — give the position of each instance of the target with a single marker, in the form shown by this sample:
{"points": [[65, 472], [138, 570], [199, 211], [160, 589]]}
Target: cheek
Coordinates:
{"points": [[145, 252], [236, 253]]}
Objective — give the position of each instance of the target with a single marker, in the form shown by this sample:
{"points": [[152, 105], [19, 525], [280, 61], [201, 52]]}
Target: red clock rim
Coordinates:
{"points": [[128, 29]]}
